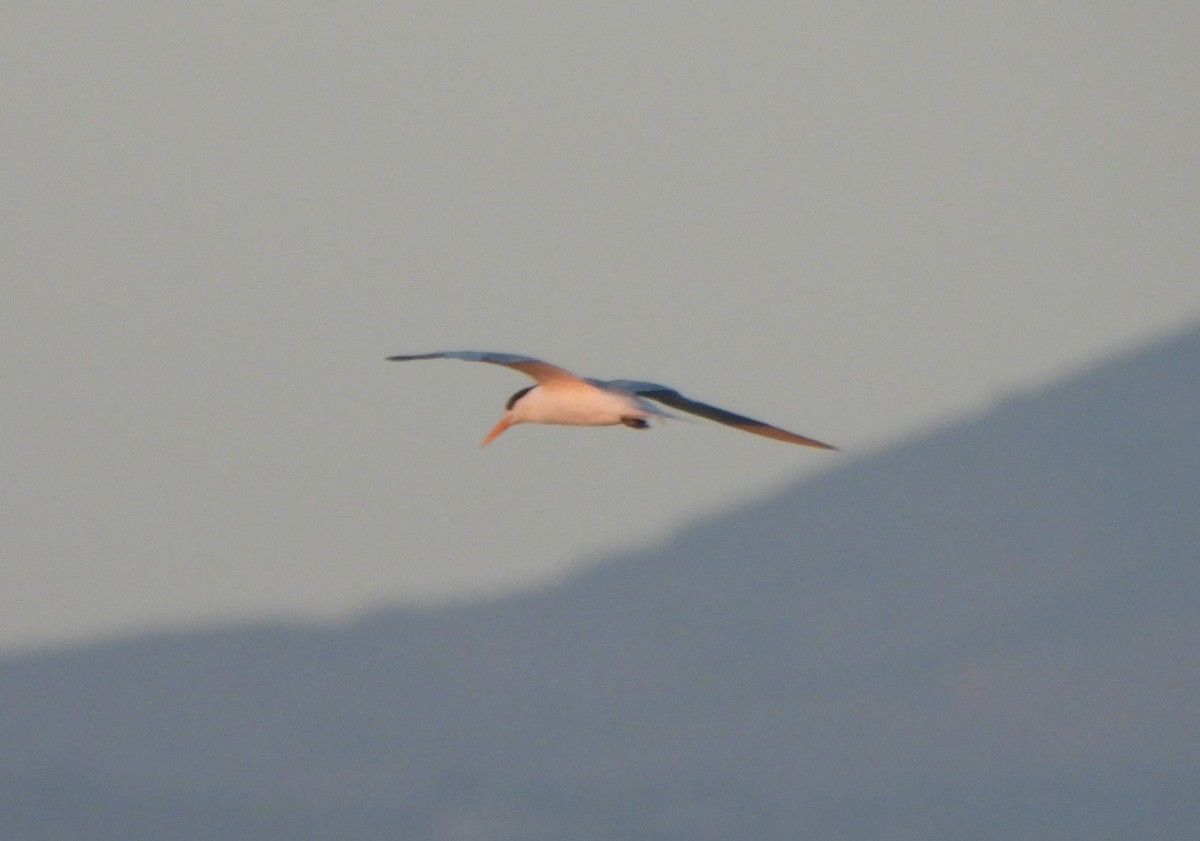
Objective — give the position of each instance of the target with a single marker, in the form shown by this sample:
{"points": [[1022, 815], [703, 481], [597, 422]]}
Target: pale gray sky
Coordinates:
{"points": [[853, 220]]}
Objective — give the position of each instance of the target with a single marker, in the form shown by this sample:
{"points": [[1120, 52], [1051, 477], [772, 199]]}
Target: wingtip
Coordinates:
{"points": [[819, 445], [802, 440]]}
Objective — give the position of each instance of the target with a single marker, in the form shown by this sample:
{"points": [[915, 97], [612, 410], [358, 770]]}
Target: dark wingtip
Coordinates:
{"points": [[405, 357]]}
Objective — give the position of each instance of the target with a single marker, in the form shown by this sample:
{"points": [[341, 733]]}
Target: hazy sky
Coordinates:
{"points": [[853, 220]]}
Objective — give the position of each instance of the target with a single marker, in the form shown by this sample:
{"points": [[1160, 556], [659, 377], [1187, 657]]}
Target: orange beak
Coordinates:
{"points": [[504, 424]]}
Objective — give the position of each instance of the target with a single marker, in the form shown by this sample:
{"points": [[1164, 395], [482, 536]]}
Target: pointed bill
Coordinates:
{"points": [[504, 424]]}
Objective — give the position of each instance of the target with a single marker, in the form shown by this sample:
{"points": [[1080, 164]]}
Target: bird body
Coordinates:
{"points": [[580, 403], [560, 397]]}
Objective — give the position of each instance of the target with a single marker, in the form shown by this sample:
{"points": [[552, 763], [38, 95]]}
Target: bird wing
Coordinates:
{"points": [[671, 397], [541, 371]]}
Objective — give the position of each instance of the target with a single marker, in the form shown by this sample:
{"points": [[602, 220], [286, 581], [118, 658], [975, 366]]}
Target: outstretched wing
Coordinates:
{"points": [[541, 371], [671, 397]]}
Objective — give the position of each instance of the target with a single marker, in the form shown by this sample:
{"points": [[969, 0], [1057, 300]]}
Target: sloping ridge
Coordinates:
{"points": [[987, 632]]}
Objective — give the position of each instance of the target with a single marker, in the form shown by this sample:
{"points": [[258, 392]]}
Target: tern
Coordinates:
{"points": [[560, 397]]}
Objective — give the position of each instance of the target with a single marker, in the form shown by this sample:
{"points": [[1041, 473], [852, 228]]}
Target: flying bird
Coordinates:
{"points": [[560, 397]]}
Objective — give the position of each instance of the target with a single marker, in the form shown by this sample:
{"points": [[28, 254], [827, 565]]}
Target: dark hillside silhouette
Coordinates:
{"points": [[988, 632]]}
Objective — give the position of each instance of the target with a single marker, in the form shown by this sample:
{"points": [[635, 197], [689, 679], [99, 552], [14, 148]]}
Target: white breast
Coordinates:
{"points": [[576, 404]]}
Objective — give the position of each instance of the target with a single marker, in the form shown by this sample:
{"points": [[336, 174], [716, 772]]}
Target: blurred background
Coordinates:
{"points": [[855, 222], [260, 583]]}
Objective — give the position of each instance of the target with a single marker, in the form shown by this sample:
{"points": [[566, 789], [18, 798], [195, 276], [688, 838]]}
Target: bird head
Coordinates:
{"points": [[509, 418]]}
